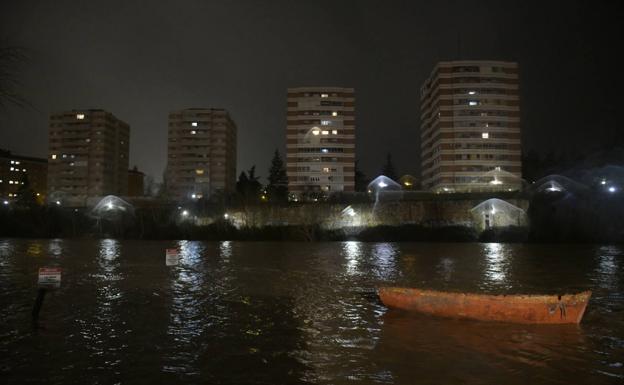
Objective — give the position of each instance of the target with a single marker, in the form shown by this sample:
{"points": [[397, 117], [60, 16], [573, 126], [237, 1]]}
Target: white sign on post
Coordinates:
{"points": [[50, 277], [172, 257]]}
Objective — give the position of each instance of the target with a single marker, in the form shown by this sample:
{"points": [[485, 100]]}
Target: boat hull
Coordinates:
{"points": [[529, 309]]}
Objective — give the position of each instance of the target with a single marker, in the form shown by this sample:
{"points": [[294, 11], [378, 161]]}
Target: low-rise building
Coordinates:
{"points": [[16, 171]]}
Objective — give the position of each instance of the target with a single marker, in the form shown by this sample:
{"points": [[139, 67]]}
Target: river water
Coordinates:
{"points": [[295, 313]]}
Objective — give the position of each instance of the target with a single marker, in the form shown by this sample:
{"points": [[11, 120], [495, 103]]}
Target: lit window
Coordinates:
{"points": [[334, 113], [193, 132], [12, 162], [0, 180], [485, 135], [472, 103], [472, 92], [316, 132], [335, 132], [79, 116], [64, 156], [324, 95], [10, 182], [324, 150], [17, 162], [325, 132], [194, 124], [325, 169], [325, 122], [53, 156], [23, 170], [12, 168], [199, 171]]}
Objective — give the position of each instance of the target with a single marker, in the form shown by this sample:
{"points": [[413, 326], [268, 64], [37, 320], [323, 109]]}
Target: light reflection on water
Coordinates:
{"points": [[185, 318], [384, 259], [262, 312], [496, 264], [352, 253]]}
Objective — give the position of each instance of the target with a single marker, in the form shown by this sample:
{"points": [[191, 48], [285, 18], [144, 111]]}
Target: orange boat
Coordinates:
{"points": [[529, 309]]}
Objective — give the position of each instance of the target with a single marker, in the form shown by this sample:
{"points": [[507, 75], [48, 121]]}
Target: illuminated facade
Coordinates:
{"points": [[470, 127], [320, 140], [15, 169], [88, 156], [201, 153]]}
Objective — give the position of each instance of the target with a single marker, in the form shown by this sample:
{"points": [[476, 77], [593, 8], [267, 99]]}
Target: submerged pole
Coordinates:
{"points": [[38, 303]]}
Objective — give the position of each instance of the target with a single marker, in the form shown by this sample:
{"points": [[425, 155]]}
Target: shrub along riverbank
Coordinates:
{"points": [[549, 220]]}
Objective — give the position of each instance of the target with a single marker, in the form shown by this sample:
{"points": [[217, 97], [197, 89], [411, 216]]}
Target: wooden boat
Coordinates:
{"points": [[530, 309]]}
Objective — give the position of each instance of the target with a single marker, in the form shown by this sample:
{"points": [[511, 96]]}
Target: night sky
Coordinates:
{"points": [[142, 59]]}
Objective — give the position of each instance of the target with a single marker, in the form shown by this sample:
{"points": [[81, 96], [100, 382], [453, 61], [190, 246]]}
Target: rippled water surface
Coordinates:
{"points": [[290, 313]]}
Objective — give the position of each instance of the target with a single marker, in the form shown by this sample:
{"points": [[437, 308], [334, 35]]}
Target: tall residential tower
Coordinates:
{"points": [[201, 156], [470, 127], [88, 156], [320, 140]]}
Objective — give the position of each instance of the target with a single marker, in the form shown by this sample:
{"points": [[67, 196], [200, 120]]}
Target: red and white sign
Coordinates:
{"points": [[172, 257], [50, 277]]}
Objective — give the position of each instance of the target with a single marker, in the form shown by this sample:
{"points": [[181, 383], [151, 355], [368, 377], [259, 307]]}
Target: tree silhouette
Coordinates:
{"points": [[388, 168], [248, 187], [277, 188], [360, 179]]}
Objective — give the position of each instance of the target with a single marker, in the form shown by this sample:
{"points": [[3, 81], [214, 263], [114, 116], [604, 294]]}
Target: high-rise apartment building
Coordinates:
{"points": [[88, 156], [320, 140], [201, 157], [16, 171], [470, 127]]}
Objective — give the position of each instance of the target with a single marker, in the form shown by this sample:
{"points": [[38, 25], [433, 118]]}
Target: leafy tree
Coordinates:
{"points": [[277, 188], [388, 168]]}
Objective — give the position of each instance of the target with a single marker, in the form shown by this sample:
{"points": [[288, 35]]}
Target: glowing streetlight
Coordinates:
{"points": [[6, 203], [612, 189], [226, 216], [185, 213], [58, 203]]}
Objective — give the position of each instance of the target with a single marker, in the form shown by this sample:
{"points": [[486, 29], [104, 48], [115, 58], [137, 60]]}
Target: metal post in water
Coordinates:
{"points": [[38, 303]]}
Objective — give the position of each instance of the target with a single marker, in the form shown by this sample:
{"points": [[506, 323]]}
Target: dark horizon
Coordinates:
{"points": [[140, 64]]}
